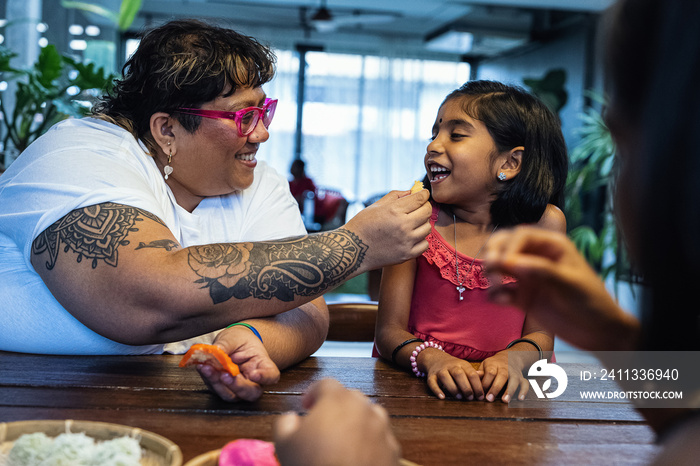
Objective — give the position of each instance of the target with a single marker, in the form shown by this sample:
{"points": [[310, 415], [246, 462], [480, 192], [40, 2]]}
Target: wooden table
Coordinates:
{"points": [[153, 393]]}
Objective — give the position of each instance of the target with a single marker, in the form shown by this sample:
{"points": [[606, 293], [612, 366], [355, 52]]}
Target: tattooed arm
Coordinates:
{"points": [[120, 271]]}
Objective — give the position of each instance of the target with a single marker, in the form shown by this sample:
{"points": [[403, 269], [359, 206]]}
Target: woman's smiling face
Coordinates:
{"points": [[459, 159], [214, 160]]}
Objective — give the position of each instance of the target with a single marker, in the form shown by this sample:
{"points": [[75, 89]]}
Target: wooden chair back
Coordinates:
{"points": [[352, 321]]}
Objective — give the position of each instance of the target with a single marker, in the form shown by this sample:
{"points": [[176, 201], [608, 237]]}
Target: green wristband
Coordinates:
{"points": [[252, 329]]}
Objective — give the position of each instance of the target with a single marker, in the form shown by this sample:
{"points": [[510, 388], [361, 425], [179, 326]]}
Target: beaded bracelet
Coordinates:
{"points": [[398, 348], [252, 329], [416, 352], [527, 340]]}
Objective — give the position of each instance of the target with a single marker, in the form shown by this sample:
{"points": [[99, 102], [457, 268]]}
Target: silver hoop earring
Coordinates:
{"points": [[168, 170], [502, 176]]}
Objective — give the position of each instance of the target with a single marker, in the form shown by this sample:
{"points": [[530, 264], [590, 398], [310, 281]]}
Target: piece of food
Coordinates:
{"points": [[209, 354], [417, 186], [248, 452]]}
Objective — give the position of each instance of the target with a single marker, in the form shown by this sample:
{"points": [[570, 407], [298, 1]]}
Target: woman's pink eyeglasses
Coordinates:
{"points": [[246, 119]]}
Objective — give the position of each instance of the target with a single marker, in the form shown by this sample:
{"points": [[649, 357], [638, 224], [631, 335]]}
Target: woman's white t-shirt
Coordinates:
{"points": [[82, 162]]}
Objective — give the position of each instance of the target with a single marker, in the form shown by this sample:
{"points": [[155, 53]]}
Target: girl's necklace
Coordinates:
{"points": [[460, 287]]}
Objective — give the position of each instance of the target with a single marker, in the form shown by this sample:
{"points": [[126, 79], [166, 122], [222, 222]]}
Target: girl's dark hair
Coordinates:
{"points": [[515, 118], [653, 75], [183, 64]]}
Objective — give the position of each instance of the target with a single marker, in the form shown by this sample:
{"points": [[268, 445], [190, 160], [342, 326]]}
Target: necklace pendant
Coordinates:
{"points": [[461, 289]]}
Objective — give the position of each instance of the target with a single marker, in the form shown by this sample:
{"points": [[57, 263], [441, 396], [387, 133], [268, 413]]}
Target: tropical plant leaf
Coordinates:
{"points": [[48, 66], [587, 242], [89, 76], [127, 13], [6, 55]]}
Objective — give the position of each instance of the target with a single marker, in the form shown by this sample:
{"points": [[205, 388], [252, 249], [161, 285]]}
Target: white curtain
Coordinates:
{"points": [[278, 151], [367, 120]]}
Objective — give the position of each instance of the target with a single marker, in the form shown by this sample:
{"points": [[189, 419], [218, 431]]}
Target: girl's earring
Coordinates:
{"points": [[168, 169], [502, 176]]}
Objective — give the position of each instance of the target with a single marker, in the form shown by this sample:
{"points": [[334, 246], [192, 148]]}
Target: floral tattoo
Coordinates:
{"points": [[302, 266]]}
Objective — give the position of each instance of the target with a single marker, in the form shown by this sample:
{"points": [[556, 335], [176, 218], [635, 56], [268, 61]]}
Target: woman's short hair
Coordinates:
{"points": [[514, 117], [183, 63]]}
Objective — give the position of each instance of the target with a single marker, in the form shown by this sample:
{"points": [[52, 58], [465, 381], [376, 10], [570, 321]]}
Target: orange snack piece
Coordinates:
{"points": [[417, 186], [209, 354]]}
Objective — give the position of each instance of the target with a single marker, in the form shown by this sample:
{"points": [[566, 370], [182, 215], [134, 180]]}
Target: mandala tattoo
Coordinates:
{"points": [[302, 266], [93, 233]]}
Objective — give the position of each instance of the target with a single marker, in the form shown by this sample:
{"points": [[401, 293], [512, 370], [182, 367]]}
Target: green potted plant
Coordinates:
{"points": [[589, 184], [589, 192], [550, 88], [54, 88]]}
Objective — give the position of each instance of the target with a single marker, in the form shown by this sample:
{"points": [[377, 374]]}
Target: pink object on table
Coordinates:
{"points": [[248, 452]]}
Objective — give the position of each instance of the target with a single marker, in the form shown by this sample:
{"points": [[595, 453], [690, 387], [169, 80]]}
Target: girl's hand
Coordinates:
{"points": [[453, 375], [256, 367], [496, 376]]}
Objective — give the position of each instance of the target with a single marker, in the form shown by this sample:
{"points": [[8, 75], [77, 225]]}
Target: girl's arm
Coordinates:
{"points": [[395, 294], [553, 219], [495, 369], [445, 373]]}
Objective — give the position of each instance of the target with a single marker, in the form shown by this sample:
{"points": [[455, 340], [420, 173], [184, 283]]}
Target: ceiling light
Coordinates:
{"points": [[92, 31], [75, 29], [322, 14], [451, 41], [77, 44]]}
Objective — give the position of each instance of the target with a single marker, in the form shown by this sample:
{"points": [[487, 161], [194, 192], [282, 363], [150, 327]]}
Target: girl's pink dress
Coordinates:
{"points": [[474, 328]]}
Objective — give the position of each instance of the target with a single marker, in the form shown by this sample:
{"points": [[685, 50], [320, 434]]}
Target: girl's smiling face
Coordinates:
{"points": [[460, 159]]}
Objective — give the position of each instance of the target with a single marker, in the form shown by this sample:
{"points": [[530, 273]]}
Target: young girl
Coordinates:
{"points": [[497, 158]]}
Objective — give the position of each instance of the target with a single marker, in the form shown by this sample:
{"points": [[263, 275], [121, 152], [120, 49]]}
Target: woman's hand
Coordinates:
{"points": [[394, 228], [256, 367], [497, 375], [342, 427], [556, 286], [445, 373]]}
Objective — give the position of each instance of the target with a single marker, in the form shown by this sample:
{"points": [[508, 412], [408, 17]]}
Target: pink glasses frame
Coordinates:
{"points": [[267, 111]]}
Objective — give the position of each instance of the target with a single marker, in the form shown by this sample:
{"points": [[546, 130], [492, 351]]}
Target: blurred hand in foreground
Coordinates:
{"points": [[342, 427]]}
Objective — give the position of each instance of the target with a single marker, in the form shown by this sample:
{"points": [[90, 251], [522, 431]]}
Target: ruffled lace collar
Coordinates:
{"points": [[442, 255]]}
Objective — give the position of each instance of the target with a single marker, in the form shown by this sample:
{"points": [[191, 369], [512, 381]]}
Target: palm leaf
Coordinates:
{"points": [[90, 8], [127, 13]]}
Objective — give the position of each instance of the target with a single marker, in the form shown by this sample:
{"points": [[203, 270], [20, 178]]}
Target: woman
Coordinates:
{"points": [[653, 67], [152, 222]]}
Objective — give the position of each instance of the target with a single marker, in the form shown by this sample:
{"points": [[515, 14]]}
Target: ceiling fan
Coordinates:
{"points": [[324, 21]]}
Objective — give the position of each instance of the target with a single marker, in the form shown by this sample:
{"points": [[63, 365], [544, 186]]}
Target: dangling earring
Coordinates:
{"points": [[502, 176], [168, 169]]}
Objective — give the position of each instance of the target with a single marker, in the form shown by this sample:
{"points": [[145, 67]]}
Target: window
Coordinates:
{"points": [[366, 119]]}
